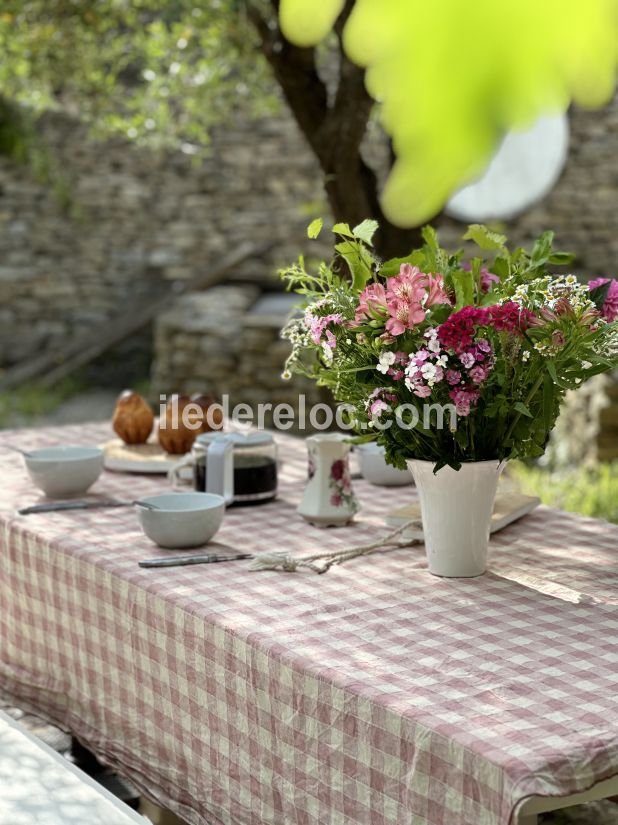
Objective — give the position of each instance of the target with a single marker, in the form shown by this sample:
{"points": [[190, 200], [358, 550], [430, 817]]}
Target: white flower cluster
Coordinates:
{"points": [[433, 345], [387, 359], [327, 353], [551, 289], [297, 334]]}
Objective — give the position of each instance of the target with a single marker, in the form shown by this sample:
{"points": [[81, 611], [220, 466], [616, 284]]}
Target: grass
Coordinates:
{"points": [[30, 401], [591, 491]]}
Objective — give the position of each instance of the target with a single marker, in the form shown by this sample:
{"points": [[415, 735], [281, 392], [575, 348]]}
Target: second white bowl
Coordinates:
{"points": [[373, 466], [181, 520]]}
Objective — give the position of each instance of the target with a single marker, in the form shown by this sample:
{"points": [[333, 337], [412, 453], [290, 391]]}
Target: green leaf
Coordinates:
{"points": [[430, 236], [439, 313], [366, 230], [561, 258], [522, 409], [598, 295], [359, 260], [561, 382], [500, 267], [343, 229], [463, 283], [484, 237], [314, 228], [392, 267], [542, 249]]}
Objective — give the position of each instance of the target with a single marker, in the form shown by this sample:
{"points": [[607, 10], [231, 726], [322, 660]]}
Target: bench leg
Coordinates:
{"points": [[158, 815]]}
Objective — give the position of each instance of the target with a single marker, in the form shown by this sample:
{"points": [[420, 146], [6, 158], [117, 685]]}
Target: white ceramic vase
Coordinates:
{"points": [[456, 507]]}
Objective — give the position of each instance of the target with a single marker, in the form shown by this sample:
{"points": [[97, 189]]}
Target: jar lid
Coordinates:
{"points": [[241, 440]]}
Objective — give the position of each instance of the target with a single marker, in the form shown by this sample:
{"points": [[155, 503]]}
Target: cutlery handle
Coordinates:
{"points": [[59, 506], [182, 560], [178, 560]]}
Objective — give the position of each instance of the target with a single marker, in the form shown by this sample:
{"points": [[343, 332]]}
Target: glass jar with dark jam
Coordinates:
{"points": [[255, 465]]}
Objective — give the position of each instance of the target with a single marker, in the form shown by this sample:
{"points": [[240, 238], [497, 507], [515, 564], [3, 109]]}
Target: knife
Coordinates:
{"points": [[203, 559], [72, 505]]}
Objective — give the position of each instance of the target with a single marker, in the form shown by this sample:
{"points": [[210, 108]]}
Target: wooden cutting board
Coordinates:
{"points": [[137, 458], [508, 507]]}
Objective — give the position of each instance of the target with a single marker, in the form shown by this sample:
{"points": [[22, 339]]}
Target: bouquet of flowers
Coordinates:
{"points": [[450, 361]]}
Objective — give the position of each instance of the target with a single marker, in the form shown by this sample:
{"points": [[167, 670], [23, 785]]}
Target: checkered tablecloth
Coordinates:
{"points": [[376, 694]]}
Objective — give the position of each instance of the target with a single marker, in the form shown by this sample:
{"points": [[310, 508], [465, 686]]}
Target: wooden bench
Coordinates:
{"points": [[37, 785]]}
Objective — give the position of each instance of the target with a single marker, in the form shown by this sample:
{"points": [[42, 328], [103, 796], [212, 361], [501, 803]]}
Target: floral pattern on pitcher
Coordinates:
{"points": [[340, 486]]}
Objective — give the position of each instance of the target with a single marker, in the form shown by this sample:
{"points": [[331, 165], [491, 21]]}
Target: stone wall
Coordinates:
{"points": [[226, 341], [136, 219], [587, 429]]}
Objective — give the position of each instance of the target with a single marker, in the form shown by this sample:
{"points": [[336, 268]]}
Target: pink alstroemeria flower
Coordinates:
{"points": [[372, 303], [409, 286], [403, 316], [435, 291]]}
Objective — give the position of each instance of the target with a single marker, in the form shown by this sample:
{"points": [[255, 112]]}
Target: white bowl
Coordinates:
{"points": [[62, 472], [181, 520], [373, 466]]}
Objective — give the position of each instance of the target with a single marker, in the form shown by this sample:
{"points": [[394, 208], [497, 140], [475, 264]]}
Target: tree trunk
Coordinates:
{"points": [[333, 128]]}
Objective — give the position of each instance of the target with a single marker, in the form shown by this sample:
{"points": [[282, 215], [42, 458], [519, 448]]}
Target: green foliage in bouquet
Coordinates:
{"points": [[446, 360]]}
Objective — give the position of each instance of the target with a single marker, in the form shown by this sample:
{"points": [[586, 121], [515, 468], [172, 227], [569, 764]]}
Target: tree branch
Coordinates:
{"points": [[296, 73], [335, 132]]}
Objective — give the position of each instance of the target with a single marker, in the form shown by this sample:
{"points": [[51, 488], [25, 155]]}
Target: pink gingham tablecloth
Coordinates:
{"points": [[376, 694]]}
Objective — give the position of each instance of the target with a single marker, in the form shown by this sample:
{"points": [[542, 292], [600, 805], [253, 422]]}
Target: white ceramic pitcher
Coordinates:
{"points": [[328, 500]]}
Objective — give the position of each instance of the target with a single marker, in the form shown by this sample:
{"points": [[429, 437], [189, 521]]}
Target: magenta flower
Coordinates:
{"points": [[488, 279], [453, 377], [609, 310], [467, 359], [478, 374], [463, 398], [396, 375], [457, 332], [511, 317], [422, 391]]}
